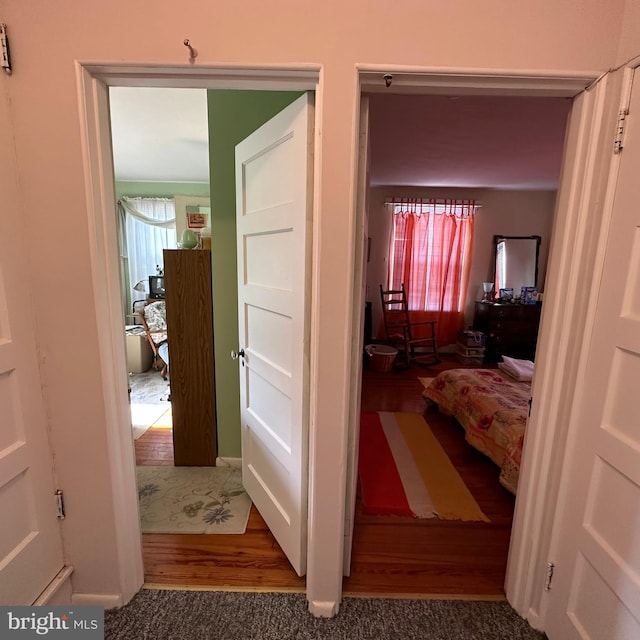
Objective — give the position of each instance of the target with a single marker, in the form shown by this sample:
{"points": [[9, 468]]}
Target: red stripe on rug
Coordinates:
{"points": [[380, 483]]}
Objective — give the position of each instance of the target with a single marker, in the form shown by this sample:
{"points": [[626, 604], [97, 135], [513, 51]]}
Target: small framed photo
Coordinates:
{"points": [[506, 295], [529, 295], [196, 220]]}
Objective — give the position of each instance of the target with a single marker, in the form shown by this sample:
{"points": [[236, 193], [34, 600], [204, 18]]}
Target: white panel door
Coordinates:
{"points": [[596, 587], [273, 210], [30, 541]]}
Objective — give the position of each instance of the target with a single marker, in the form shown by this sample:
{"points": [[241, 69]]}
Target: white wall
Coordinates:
{"points": [[47, 41], [512, 213]]}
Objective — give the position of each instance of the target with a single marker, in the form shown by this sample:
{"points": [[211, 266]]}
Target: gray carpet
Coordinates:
{"points": [[203, 615]]}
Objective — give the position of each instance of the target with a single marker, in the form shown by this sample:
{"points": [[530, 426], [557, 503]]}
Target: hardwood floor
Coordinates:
{"points": [[250, 561], [391, 555], [253, 560], [432, 557]]}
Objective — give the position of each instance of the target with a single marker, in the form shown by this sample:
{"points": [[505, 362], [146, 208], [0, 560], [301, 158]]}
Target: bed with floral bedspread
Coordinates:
{"points": [[492, 408]]}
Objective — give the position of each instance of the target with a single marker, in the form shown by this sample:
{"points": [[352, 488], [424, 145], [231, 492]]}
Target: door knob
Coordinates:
{"points": [[237, 354]]}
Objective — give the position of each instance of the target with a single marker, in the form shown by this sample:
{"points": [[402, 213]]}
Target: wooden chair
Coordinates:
{"points": [[154, 321], [400, 329]]}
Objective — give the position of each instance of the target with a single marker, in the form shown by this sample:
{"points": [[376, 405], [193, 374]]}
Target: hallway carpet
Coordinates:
{"points": [[201, 615]]}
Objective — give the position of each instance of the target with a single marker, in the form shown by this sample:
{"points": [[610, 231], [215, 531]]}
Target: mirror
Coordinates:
{"points": [[516, 263]]}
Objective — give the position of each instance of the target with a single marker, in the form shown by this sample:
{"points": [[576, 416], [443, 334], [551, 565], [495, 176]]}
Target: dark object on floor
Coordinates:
{"points": [[196, 615]]}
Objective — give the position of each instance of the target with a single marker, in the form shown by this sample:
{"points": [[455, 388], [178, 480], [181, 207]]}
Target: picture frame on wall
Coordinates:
{"points": [[197, 220]]}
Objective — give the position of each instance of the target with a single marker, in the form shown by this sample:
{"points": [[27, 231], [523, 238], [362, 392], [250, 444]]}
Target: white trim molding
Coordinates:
{"points": [[93, 80], [616, 97], [323, 609], [105, 600], [99, 181], [448, 81], [556, 366], [562, 330], [235, 463], [58, 591]]}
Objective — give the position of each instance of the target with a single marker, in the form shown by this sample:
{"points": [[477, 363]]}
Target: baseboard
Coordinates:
{"points": [[229, 462], [535, 620], [323, 608], [58, 592], [106, 600]]}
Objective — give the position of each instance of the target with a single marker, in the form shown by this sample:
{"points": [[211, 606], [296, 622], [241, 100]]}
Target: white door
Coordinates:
{"points": [[273, 210], [596, 587], [30, 541]]}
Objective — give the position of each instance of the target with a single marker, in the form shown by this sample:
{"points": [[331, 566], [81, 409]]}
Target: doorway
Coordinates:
{"points": [[159, 138], [251, 550], [523, 571], [510, 193], [324, 597], [272, 560]]}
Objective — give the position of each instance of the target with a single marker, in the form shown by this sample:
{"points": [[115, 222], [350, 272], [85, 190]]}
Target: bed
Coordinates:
{"points": [[492, 408]]}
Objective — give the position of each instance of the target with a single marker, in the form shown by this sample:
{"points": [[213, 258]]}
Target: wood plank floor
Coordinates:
{"points": [[391, 555]]}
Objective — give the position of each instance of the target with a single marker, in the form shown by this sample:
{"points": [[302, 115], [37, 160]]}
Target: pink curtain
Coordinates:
{"points": [[430, 252]]}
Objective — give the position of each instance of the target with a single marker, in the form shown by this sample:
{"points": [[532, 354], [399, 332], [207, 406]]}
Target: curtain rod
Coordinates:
{"points": [[461, 201]]}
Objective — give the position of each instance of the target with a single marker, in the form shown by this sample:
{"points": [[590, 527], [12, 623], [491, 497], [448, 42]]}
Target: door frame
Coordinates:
{"points": [[626, 74], [572, 258], [93, 81]]}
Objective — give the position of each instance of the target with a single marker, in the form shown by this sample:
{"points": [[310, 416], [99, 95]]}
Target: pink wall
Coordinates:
{"points": [[630, 34], [47, 41]]}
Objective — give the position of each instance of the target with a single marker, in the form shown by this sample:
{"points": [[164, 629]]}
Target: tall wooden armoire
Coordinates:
{"points": [[189, 303]]}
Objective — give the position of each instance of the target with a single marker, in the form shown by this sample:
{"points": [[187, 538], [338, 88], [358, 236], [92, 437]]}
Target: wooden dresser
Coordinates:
{"points": [[191, 365], [511, 329]]}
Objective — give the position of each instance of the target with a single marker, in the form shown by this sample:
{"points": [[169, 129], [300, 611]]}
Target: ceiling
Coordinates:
{"points": [[161, 135], [468, 141]]}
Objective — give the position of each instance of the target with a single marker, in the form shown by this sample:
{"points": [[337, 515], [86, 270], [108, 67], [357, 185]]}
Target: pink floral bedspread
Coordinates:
{"points": [[493, 410]]}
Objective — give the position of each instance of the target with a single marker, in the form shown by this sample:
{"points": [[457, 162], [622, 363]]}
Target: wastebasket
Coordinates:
{"points": [[380, 357]]}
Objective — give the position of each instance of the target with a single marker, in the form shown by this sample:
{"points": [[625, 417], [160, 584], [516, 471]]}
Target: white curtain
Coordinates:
{"points": [[147, 226]]}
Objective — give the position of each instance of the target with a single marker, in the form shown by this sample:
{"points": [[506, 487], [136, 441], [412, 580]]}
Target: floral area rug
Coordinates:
{"points": [[192, 500]]}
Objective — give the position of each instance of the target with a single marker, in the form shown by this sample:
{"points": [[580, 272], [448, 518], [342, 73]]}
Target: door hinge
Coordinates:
{"points": [[620, 125], [549, 576], [4, 45], [60, 504]]}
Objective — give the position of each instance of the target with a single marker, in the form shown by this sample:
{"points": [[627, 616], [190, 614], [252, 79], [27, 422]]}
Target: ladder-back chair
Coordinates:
{"points": [[401, 332]]}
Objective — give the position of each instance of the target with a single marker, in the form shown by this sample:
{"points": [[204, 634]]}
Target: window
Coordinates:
{"points": [[147, 226], [430, 252]]}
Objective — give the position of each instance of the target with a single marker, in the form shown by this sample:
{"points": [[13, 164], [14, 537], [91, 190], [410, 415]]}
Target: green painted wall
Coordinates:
{"points": [[161, 189], [233, 115]]}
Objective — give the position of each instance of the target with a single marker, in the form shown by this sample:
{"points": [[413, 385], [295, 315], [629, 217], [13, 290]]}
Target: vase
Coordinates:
{"points": [[188, 239]]}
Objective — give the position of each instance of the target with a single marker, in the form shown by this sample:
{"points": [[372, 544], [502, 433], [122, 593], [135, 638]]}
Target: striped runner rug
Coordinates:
{"points": [[405, 471]]}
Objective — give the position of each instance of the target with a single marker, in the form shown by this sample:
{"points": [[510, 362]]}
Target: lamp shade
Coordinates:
{"points": [[141, 285]]}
